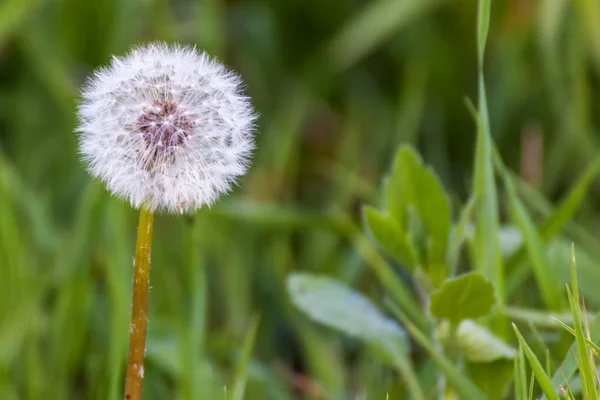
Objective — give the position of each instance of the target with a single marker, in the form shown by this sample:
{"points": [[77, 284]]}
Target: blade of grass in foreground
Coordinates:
{"points": [[586, 366], [550, 291], [538, 370], [568, 367], [487, 252], [520, 376], [555, 221], [241, 372]]}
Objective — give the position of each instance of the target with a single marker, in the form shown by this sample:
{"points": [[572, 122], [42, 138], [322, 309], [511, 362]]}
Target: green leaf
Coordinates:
{"points": [[391, 237], [476, 344], [335, 305], [469, 296], [411, 185]]}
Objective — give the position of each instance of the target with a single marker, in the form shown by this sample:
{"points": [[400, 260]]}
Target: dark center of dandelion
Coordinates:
{"points": [[164, 127]]}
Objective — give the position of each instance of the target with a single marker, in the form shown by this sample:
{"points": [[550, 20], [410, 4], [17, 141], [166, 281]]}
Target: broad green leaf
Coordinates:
{"points": [[391, 237], [476, 344], [492, 378], [469, 296], [411, 185], [335, 305], [540, 375]]}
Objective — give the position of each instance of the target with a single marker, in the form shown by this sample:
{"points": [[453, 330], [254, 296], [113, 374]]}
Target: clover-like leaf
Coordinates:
{"points": [[469, 296]]}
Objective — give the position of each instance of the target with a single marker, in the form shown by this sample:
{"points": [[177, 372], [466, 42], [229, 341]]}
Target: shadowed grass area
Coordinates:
{"points": [[339, 85]]}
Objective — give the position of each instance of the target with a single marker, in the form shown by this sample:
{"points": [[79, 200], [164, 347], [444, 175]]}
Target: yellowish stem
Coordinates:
{"points": [[139, 308]]}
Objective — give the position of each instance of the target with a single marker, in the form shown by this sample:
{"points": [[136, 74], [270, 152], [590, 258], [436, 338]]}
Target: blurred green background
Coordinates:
{"points": [[339, 85]]}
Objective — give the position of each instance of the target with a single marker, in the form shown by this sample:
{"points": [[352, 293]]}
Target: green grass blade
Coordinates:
{"points": [[568, 367], [373, 25], [550, 291], [487, 252], [561, 216], [538, 370], [586, 366], [241, 372]]}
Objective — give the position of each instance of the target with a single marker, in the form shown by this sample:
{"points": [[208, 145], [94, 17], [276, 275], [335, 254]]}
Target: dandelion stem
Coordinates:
{"points": [[139, 308]]}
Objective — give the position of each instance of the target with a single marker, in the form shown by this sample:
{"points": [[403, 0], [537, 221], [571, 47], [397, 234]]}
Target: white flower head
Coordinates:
{"points": [[166, 127]]}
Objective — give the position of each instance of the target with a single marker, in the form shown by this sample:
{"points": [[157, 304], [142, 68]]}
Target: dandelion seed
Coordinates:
{"points": [[166, 127]]}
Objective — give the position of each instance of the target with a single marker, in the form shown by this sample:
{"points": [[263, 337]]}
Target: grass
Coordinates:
{"points": [[340, 85]]}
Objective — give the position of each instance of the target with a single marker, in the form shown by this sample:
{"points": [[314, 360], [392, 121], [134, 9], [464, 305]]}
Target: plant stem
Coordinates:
{"points": [[139, 308]]}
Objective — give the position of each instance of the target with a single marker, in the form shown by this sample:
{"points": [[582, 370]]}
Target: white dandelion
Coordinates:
{"points": [[166, 128]]}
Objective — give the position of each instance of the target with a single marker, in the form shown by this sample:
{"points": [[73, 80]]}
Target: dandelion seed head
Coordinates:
{"points": [[166, 127]]}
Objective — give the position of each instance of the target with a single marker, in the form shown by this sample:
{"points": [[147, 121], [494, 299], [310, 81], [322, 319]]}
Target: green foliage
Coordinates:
{"points": [[416, 223], [540, 374], [475, 343], [392, 237], [469, 296], [335, 305], [340, 86]]}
